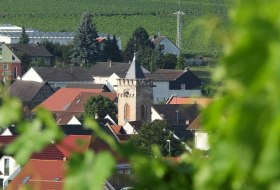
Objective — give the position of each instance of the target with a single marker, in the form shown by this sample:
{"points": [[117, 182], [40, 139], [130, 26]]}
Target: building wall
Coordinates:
{"points": [[161, 92], [74, 121], [169, 47], [201, 140], [45, 92], [13, 169], [31, 75], [10, 64], [129, 129], [155, 115], [139, 92], [5, 39]]}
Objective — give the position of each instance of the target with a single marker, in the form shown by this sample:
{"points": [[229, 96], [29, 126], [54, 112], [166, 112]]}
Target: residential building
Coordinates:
{"points": [[168, 82], [135, 95], [10, 64], [109, 72], [30, 93], [201, 101], [58, 77], [165, 45], [36, 52]]}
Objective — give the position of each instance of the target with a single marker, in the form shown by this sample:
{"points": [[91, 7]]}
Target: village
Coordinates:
{"points": [[172, 96]]}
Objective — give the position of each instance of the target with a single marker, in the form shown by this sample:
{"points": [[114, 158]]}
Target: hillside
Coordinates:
{"points": [[121, 17]]}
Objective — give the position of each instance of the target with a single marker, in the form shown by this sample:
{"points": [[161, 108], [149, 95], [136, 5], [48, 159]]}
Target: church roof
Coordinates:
{"points": [[135, 71]]}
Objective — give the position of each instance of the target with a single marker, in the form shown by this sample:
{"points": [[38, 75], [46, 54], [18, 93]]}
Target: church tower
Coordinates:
{"points": [[135, 95]]}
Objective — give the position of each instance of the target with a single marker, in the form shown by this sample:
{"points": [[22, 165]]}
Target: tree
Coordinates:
{"points": [[111, 50], [86, 48], [156, 133], [180, 65], [101, 106], [139, 40], [24, 38]]}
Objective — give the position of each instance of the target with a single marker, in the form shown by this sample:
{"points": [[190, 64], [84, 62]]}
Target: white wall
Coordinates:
{"points": [[6, 132], [5, 39], [129, 129], [31, 75], [74, 121], [155, 115], [201, 140], [161, 92], [14, 169], [169, 47]]}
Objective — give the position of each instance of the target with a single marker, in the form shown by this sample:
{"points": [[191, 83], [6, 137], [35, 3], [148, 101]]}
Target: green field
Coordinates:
{"points": [[121, 17]]}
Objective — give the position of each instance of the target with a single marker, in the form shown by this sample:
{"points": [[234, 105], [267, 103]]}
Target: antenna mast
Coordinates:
{"points": [[179, 26]]}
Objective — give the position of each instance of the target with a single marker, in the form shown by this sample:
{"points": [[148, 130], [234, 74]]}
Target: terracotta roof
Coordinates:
{"points": [[169, 112], [40, 174], [62, 118], [74, 74], [5, 140], [62, 98], [33, 50], [106, 69], [88, 86], [77, 105], [50, 152], [189, 100], [74, 143], [116, 128], [27, 90]]}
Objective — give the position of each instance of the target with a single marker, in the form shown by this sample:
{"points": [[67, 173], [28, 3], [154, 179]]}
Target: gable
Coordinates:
{"points": [[188, 79], [7, 55], [32, 75]]}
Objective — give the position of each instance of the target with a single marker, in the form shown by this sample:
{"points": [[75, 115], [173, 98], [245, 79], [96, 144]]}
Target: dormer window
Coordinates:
{"points": [[13, 58]]}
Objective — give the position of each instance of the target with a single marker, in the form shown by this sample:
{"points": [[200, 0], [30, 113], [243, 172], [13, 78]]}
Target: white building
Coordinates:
{"points": [[165, 45]]}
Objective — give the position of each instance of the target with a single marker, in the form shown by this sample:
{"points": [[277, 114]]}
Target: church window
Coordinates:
{"points": [[143, 112], [126, 112]]}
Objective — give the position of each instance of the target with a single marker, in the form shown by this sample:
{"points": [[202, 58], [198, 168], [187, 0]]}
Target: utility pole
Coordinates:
{"points": [[179, 26]]}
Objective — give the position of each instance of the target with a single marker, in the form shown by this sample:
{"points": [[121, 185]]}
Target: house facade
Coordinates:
{"points": [[58, 77], [8, 170], [10, 64], [169, 82], [165, 45]]}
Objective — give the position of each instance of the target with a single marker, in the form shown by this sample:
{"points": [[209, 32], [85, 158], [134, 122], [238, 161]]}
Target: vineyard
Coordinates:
{"points": [[202, 24]]}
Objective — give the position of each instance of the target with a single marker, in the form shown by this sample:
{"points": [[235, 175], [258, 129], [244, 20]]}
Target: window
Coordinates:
{"points": [[15, 73], [126, 112], [5, 66], [13, 58], [183, 86], [161, 47], [6, 167], [143, 112]]}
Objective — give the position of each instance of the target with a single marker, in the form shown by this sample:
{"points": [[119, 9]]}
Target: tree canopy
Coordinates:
{"points": [[156, 133], [111, 50], [24, 38], [101, 106], [86, 48]]}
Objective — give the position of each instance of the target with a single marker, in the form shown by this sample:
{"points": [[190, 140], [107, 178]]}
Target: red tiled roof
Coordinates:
{"points": [[62, 118], [5, 140], [62, 98], [50, 152], [116, 128], [42, 175], [77, 106], [74, 143], [189, 100]]}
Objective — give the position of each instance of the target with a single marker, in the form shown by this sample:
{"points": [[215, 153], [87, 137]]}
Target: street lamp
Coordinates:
{"points": [[169, 148], [177, 111]]}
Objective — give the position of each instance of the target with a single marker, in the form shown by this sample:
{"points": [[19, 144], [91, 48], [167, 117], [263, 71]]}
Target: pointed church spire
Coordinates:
{"points": [[135, 70]]}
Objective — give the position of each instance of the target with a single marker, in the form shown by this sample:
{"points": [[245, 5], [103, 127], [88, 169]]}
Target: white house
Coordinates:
{"points": [[8, 170], [169, 82], [165, 45], [109, 72]]}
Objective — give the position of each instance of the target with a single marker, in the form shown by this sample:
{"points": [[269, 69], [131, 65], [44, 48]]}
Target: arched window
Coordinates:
{"points": [[143, 112], [126, 112]]}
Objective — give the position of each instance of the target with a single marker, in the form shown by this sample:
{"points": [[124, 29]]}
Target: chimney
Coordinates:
{"points": [[110, 63]]}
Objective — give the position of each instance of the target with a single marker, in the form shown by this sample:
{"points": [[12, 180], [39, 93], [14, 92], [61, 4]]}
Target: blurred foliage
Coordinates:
{"points": [[243, 121]]}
